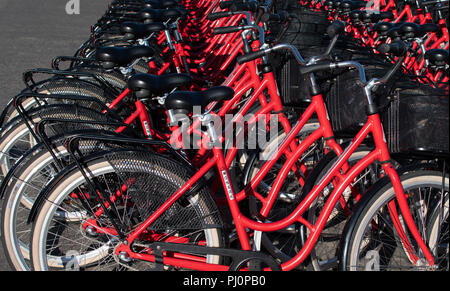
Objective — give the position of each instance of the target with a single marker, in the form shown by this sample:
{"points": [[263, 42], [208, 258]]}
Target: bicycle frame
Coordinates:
{"points": [[317, 106], [242, 223]]}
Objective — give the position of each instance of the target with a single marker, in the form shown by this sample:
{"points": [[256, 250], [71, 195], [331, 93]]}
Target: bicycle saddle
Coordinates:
{"points": [[145, 85], [337, 3], [186, 100], [437, 57], [383, 27], [410, 30], [348, 6], [145, 3], [161, 15], [135, 30], [329, 4], [394, 32], [355, 15], [159, 4], [111, 57], [375, 17]]}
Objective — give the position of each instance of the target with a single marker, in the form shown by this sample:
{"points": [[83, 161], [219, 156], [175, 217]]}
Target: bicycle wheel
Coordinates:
{"points": [[323, 256], [372, 241], [23, 185], [438, 233], [59, 239]]}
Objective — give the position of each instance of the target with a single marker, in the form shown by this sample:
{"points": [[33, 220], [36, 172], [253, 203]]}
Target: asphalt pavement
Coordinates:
{"points": [[32, 33]]}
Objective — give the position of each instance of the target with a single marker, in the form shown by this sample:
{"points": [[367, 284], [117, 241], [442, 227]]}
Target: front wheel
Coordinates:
{"points": [[377, 238]]}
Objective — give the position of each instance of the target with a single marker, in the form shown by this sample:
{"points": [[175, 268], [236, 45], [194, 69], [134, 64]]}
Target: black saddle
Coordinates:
{"points": [[160, 4], [383, 27], [162, 15], [333, 4], [437, 57], [135, 30], [348, 6], [186, 100], [410, 30], [146, 85], [111, 57]]}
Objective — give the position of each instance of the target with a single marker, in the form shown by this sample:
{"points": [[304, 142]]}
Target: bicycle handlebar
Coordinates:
{"points": [[334, 30], [398, 48], [227, 29], [231, 29], [336, 27], [217, 15]]}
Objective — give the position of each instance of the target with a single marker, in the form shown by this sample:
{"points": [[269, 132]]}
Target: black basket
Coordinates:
{"points": [[416, 122], [294, 88], [346, 101], [310, 28]]}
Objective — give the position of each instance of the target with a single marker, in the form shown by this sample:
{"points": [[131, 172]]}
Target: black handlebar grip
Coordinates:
{"points": [[315, 68], [336, 27], [270, 17], [248, 6], [217, 15], [250, 57], [280, 17], [225, 4], [226, 29], [398, 48]]}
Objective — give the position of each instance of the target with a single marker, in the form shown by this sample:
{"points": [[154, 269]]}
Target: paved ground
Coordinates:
{"points": [[32, 32]]}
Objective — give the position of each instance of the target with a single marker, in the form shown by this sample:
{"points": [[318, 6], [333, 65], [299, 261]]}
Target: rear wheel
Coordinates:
{"points": [[17, 139], [60, 236]]}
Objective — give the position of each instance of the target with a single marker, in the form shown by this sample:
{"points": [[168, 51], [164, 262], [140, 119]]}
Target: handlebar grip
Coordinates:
{"points": [[315, 68], [279, 17], [270, 17], [248, 6], [398, 48], [337, 27], [225, 4], [216, 15], [227, 29], [250, 57]]}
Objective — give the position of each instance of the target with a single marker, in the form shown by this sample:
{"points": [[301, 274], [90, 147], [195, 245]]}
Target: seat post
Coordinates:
{"points": [[208, 121]]}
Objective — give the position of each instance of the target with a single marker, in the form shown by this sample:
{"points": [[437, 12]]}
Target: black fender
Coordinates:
{"points": [[43, 195]]}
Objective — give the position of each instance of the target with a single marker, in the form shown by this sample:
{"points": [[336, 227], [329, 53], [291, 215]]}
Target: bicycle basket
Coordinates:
{"points": [[416, 122], [346, 102], [310, 28], [294, 88]]}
